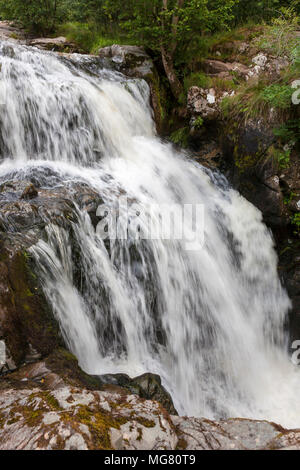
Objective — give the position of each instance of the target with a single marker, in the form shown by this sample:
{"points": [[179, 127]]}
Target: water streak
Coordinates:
{"points": [[210, 322]]}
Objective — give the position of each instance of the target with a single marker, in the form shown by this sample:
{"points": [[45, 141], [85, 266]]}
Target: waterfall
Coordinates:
{"points": [[210, 320]]}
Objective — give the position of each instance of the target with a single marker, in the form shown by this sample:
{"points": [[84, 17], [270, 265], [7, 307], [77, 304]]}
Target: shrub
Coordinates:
{"points": [[283, 158], [82, 34], [289, 131], [87, 36], [296, 55], [38, 16], [104, 40], [280, 37], [223, 84], [180, 137], [256, 99], [198, 123], [296, 222], [278, 96], [199, 79]]}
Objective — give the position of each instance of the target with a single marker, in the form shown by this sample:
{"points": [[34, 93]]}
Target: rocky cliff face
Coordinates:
{"points": [[241, 131]]}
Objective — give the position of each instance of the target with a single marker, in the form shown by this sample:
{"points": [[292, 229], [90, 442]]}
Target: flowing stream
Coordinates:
{"points": [[208, 318]]}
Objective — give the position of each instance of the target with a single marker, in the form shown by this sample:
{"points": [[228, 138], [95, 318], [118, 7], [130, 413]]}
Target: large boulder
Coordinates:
{"points": [[217, 67], [260, 63], [133, 60], [147, 386], [70, 418], [203, 103], [59, 44], [270, 66]]}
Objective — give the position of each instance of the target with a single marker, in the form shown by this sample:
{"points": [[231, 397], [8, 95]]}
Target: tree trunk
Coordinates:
{"points": [[167, 60]]}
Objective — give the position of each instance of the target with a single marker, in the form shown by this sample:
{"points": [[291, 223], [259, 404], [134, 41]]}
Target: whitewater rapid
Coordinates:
{"points": [[209, 321]]}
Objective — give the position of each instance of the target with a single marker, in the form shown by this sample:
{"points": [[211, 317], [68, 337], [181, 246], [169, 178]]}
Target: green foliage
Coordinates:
{"points": [[296, 222], [247, 101], [257, 98], [198, 123], [103, 40], [295, 55], [278, 96], [289, 131], [280, 37], [182, 32], [174, 23], [169, 27], [283, 158], [199, 79], [180, 137], [40, 16], [87, 36], [259, 10], [82, 34], [223, 84], [288, 199], [280, 156]]}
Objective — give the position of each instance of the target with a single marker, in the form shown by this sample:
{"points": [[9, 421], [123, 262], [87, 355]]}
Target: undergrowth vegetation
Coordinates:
{"points": [[180, 137], [88, 37], [259, 97], [279, 38]]}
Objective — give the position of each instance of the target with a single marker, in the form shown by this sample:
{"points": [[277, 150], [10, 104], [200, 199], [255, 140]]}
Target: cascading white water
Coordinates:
{"points": [[210, 321]]}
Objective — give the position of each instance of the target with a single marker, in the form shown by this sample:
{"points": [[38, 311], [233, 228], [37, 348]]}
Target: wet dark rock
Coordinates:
{"points": [[27, 323], [147, 386], [22, 207], [289, 270], [59, 44], [30, 192], [57, 369], [133, 60], [152, 389], [215, 67], [252, 171], [248, 149], [26, 320]]}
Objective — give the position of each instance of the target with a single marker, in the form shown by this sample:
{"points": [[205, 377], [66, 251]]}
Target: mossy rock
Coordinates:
{"points": [[26, 316], [146, 386], [63, 363], [245, 144]]}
